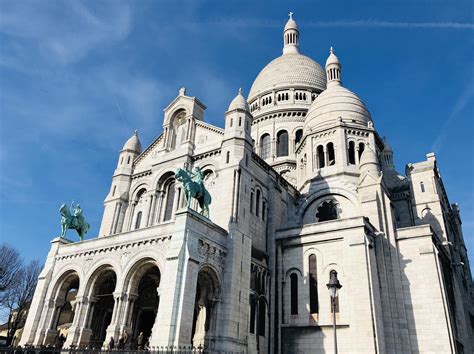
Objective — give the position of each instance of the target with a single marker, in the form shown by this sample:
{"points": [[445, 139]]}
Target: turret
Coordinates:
{"points": [[131, 149], [115, 204], [291, 37], [369, 162], [238, 119], [333, 69], [237, 142]]}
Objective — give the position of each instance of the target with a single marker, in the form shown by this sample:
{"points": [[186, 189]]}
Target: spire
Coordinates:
{"points": [[291, 36], [333, 69]]}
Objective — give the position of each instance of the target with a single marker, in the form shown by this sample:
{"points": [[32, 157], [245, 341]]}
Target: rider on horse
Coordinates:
{"points": [[198, 177]]}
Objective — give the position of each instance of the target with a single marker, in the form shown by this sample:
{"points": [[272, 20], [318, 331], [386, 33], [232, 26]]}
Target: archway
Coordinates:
{"points": [[102, 293], [145, 308], [207, 293], [66, 298]]}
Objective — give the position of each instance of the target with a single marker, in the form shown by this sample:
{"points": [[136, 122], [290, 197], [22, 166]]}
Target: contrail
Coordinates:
{"points": [[348, 24], [120, 112]]}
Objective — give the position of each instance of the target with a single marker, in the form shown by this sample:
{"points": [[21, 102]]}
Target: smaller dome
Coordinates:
{"points": [[333, 103], [332, 58], [239, 102], [133, 144], [291, 24]]}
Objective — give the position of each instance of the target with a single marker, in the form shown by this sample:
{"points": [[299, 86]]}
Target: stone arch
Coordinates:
{"points": [[205, 305], [326, 193], [177, 127], [101, 286], [63, 295], [141, 282]]}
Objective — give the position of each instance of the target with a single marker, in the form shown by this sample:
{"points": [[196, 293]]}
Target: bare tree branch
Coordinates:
{"points": [[10, 265]]}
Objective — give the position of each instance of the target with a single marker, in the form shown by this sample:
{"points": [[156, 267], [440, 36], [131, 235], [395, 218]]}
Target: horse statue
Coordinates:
{"points": [[74, 220], [194, 188]]}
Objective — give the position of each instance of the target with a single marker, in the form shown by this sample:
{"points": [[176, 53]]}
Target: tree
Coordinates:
{"points": [[10, 265], [17, 298]]}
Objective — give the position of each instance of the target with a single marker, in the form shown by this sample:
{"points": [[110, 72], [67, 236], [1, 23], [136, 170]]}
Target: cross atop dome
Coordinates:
{"points": [[291, 15]]}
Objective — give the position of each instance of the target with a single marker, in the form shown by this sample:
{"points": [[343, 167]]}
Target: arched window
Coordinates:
{"points": [[298, 136], [231, 122], [138, 220], [351, 153], [361, 149], [170, 193], [265, 146], [128, 160], [121, 160], [113, 190], [294, 294], [331, 273], [251, 202], [320, 156], [262, 310], [282, 143], [331, 154], [328, 210], [227, 157], [252, 314], [313, 284], [257, 203], [264, 208], [422, 187]]}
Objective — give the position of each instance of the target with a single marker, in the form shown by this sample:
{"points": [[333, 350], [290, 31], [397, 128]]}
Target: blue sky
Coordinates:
{"points": [[77, 77]]}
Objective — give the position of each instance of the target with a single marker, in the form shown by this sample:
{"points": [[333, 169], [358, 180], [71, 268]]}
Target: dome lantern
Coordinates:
{"points": [[333, 69], [291, 37]]}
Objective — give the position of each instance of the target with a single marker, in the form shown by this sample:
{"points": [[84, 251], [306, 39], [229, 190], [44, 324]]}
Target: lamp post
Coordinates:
{"points": [[333, 287]]}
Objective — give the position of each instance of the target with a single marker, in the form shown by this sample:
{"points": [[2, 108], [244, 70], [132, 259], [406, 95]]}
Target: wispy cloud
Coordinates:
{"points": [[59, 39], [463, 100]]}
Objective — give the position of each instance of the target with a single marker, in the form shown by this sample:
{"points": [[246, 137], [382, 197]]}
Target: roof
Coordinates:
{"points": [[335, 102], [289, 70]]}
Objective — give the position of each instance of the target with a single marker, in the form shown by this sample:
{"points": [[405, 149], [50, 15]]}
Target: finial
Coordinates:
{"points": [[240, 91], [291, 15], [135, 132], [331, 50], [182, 91]]}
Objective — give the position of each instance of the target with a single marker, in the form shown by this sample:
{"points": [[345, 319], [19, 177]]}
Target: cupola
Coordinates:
{"points": [[333, 69], [291, 37], [133, 144]]}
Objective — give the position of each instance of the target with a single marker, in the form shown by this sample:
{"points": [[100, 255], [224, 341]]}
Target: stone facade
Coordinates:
{"points": [[302, 185]]}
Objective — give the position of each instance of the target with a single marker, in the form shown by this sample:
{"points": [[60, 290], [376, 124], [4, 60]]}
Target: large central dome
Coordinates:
{"points": [[289, 70]]}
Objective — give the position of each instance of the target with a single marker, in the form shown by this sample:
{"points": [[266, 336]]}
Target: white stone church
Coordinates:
{"points": [[303, 187]]}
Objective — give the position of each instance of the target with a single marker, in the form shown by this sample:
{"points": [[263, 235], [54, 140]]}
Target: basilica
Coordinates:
{"points": [[303, 192]]}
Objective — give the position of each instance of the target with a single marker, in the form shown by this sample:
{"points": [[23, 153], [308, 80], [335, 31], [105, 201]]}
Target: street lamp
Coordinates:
{"points": [[333, 287]]}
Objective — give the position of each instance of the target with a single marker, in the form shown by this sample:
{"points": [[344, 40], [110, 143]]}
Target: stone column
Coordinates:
{"points": [[50, 331], [125, 320], [159, 209], [151, 217], [77, 325], [113, 330], [357, 154], [326, 157], [147, 212], [130, 216]]}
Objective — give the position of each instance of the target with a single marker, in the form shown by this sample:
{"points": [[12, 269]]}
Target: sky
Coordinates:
{"points": [[78, 77]]}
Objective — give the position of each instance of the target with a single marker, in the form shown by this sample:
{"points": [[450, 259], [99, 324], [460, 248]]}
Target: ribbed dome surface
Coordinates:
{"points": [[287, 71], [336, 101], [239, 102], [133, 144]]}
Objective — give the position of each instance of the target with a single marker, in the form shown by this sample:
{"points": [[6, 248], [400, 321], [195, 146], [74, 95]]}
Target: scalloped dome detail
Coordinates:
{"points": [[239, 102], [133, 143], [335, 102], [289, 70]]}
